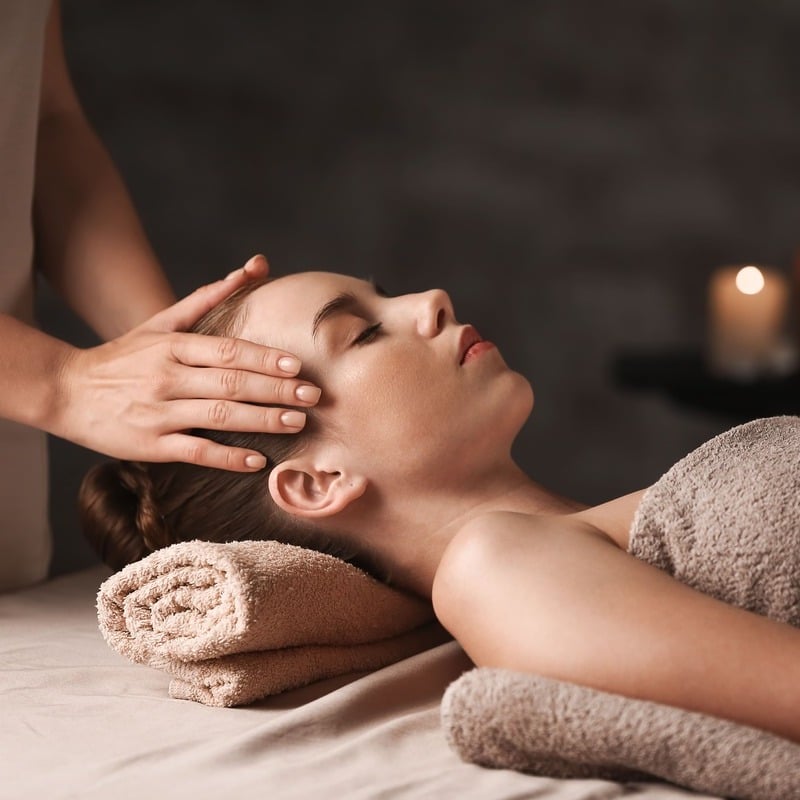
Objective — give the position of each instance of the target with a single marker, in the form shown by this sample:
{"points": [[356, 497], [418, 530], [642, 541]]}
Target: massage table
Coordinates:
{"points": [[82, 722]]}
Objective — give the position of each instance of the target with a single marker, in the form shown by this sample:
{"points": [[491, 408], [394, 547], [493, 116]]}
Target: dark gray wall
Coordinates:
{"points": [[569, 171]]}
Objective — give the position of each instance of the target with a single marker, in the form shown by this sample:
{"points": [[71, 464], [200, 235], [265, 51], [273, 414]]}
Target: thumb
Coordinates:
{"points": [[183, 314]]}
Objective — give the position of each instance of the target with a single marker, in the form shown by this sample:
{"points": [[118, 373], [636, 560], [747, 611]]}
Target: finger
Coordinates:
{"points": [[205, 453], [256, 267], [238, 384], [227, 415], [197, 350], [183, 314]]}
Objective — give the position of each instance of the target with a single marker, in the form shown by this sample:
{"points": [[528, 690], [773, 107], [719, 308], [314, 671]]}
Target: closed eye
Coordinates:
{"points": [[368, 334]]}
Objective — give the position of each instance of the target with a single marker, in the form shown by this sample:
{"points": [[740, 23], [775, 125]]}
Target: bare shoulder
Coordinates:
{"points": [[489, 529], [491, 542], [495, 552], [613, 519], [496, 522], [467, 555], [609, 521]]}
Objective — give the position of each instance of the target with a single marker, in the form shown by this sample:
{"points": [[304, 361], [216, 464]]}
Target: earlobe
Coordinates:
{"points": [[307, 491]]}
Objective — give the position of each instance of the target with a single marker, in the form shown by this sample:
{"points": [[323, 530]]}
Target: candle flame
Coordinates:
{"points": [[749, 280]]}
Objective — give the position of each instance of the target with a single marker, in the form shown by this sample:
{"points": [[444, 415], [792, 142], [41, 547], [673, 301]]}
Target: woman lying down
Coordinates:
{"points": [[405, 469]]}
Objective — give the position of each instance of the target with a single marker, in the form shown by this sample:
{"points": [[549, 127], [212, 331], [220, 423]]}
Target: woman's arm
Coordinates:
{"points": [[136, 396], [89, 241], [549, 595]]}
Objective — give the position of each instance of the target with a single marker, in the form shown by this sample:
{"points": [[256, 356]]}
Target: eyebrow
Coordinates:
{"points": [[343, 303]]}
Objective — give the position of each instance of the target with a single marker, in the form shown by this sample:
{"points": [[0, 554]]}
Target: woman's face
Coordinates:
{"points": [[397, 396]]}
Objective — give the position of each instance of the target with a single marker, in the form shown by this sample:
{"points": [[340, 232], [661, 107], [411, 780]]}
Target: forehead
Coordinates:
{"points": [[281, 312]]}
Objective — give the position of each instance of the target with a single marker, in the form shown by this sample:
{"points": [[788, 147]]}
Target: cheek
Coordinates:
{"points": [[388, 396], [399, 408]]}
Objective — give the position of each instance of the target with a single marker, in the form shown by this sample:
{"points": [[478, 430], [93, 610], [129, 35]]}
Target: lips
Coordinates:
{"points": [[469, 336]]}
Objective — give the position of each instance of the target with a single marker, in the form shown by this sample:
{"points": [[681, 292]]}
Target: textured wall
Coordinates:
{"points": [[569, 171]]}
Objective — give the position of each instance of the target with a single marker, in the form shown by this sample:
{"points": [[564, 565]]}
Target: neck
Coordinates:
{"points": [[411, 539]]}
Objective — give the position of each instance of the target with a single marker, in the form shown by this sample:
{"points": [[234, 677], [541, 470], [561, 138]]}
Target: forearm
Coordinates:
{"points": [[31, 368], [90, 244], [566, 604]]}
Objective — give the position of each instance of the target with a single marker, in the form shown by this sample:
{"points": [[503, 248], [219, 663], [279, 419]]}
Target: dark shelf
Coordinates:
{"points": [[683, 376]]}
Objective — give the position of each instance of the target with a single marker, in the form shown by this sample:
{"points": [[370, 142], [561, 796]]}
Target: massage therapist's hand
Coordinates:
{"points": [[135, 397]]}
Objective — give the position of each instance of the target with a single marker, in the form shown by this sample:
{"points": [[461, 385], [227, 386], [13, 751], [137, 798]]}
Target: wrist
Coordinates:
{"points": [[55, 412]]}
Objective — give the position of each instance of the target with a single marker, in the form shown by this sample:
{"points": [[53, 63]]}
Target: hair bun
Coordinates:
{"points": [[118, 512]]}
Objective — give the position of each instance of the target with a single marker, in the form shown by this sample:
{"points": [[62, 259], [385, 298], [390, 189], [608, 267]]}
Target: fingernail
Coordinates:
{"points": [[255, 462], [307, 393], [248, 267], [293, 419], [289, 364], [253, 261]]}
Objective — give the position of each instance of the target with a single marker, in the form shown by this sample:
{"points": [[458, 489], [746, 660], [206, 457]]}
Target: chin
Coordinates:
{"points": [[510, 407]]}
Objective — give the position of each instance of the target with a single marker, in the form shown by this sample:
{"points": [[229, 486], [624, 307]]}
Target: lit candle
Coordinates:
{"points": [[747, 316]]}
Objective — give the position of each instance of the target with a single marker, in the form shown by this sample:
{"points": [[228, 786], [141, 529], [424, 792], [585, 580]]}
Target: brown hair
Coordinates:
{"points": [[128, 509]]}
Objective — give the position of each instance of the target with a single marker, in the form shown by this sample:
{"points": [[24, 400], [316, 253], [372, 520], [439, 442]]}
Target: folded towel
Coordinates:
{"points": [[530, 723], [243, 678], [196, 608], [725, 520]]}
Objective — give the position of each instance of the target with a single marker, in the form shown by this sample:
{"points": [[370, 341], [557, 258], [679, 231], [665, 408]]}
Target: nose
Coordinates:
{"points": [[435, 311]]}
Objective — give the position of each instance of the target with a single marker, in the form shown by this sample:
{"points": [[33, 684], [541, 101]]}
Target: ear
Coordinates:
{"points": [[307, 490]]}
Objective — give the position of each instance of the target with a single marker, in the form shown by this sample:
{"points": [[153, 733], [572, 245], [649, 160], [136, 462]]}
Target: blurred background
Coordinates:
{"points": [[571, 172]]}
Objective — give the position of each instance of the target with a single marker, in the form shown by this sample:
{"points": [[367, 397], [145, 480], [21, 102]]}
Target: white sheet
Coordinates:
{"points": [[79, 721]]}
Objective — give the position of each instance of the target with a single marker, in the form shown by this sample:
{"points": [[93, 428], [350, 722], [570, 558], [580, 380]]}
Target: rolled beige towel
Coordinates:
{"points": [[511, 720], [199, 600]]}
